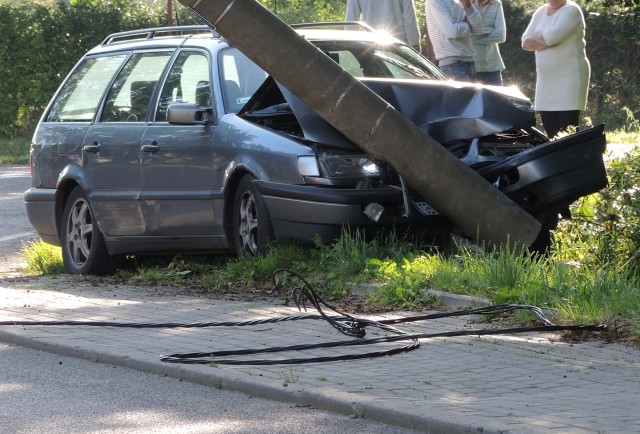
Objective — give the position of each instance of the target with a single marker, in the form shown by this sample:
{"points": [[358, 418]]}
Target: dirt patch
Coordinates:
{"points": [[617, 332]]}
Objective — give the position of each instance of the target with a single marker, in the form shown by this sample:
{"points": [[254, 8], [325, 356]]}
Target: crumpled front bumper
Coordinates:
{"points": [[545, 180], [303, 212]]}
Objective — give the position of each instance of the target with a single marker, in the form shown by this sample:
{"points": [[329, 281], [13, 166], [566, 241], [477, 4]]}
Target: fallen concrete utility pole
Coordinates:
{"points": [[475, 206]]}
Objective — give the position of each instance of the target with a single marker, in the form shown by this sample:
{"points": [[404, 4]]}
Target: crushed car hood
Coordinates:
{"points": [[446, 110]]}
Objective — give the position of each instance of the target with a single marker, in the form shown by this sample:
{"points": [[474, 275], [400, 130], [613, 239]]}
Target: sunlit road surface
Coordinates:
{"points": [[15, 230]]}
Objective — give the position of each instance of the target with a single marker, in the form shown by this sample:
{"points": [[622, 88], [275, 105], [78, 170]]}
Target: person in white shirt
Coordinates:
{"points": [[451, 24], [556, 34], [396, 17], [488, 61]]}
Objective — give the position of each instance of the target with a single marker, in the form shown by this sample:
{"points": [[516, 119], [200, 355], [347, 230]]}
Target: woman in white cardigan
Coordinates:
{"points": [[556, 34]]}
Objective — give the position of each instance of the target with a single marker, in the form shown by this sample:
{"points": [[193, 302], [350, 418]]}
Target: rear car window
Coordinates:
{"points": [[78, 100]]}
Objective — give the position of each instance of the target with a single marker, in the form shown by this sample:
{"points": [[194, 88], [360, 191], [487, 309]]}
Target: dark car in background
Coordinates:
{"points": [[169, 140]]}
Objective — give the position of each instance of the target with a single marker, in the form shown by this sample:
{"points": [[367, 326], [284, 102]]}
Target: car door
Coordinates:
{"points": [[61, 134], [180, 182], [111, 147]]}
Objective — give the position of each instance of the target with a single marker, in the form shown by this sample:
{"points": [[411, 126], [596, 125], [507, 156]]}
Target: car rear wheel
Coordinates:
{"points": [[252, 228], [83, 247]]}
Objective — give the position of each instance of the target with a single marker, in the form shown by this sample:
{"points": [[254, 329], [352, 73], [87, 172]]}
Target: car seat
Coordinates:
{"points": [[232, 96], [141, 92]]}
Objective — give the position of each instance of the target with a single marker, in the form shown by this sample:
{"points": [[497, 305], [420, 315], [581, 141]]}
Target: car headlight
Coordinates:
{"points": [[308, 165], [348, 166]]}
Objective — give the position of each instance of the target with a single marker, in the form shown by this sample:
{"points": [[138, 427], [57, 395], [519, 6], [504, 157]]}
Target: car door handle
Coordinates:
{"points": [[153, 147], [93, 148]]}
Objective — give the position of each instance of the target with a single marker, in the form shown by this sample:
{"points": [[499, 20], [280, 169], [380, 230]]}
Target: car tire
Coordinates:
{"points": [[83, 247], [252, 228]]}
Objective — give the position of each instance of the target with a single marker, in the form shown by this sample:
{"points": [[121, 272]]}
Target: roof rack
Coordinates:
{"points": [[158, 32], [342, 25]]}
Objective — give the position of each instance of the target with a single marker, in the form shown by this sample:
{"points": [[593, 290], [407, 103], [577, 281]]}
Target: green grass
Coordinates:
{"points": [[621, 137], [14, 151], [43, 258]]}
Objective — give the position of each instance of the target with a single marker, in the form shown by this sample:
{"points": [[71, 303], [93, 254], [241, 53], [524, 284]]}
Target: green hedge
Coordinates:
{"points": [[42, 41]]}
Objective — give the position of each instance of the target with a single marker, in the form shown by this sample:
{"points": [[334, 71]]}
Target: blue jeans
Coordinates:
{"points": [[460, 71], [493, 77]]}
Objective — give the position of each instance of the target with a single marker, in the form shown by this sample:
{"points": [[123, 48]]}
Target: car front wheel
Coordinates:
{"points": [[83, 247], [252, 228]]}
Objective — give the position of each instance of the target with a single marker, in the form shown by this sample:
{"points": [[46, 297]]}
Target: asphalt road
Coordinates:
{"points": [[47, 393], [15, 229]]}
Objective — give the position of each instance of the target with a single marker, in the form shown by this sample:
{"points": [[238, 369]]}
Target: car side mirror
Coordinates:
{"points": [[187, 114]]}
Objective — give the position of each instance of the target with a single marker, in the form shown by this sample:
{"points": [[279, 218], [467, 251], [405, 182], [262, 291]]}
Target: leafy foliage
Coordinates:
{"points": [[626, 15], [609, 223], [42, 42], [306, 11]]}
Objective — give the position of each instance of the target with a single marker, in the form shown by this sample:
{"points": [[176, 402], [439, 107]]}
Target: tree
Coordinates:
{"points": [[306, 11], [627, 13]]}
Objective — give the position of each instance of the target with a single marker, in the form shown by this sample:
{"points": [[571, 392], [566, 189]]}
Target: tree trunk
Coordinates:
{"points": [[483, 212]]}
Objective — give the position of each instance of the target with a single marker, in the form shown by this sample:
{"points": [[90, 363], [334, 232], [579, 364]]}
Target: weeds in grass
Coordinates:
{"points": [[290, 377], [349, 256], [260, 269], [404, 281], [43, 258], [14, 151]]}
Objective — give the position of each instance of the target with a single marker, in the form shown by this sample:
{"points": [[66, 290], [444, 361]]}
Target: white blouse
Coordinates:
{"points": [[562, 70]]}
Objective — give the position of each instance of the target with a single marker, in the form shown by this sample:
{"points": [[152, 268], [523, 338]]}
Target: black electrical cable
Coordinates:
{"points": [[213, 357], [353, 326], [347, 324]]}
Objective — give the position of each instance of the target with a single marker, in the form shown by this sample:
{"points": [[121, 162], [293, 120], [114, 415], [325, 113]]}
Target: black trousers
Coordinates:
{"points": [[554, 122]]}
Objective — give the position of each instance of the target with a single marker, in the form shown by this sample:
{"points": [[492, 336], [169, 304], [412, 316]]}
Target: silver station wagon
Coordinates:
{"points": [[169, 140]]}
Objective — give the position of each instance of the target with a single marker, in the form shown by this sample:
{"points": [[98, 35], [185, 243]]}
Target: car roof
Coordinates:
{"points": [[158, 37], [202, 35], [343, 31]]}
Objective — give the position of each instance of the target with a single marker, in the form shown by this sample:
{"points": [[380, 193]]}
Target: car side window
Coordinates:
{"points": [[130, 96], [188, 81], [80, 96], [240, 79]]}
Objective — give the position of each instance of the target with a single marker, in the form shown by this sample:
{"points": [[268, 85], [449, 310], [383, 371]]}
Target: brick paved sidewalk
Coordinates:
{"points": [[520, 384]]}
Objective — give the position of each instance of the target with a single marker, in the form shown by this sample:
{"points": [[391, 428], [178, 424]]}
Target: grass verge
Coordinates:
{"points": [[14, 151]]}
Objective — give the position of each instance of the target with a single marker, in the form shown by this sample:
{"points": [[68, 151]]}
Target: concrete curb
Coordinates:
{"points": [[452, 301]]}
